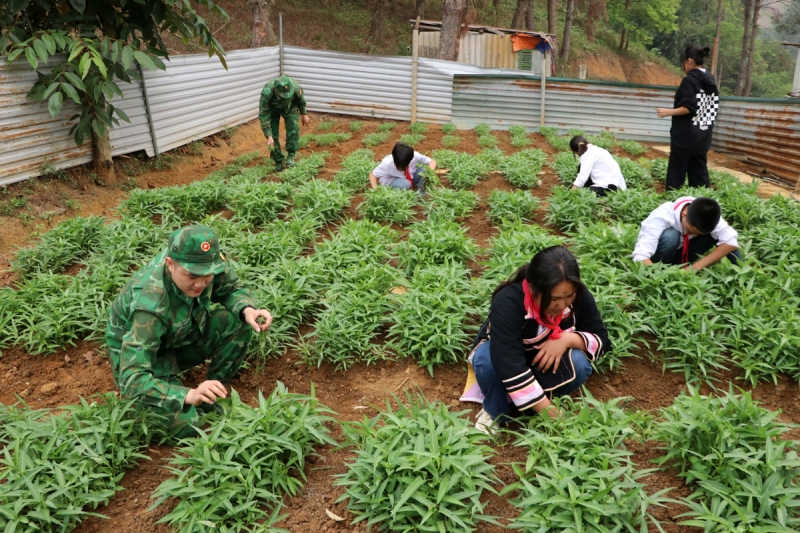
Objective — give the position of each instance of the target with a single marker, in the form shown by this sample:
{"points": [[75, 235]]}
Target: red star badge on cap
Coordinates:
{"points": [[205, 246]]}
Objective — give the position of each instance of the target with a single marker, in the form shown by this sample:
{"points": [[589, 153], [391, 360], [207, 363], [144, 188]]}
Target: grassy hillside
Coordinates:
{"points": [[344, 25]]}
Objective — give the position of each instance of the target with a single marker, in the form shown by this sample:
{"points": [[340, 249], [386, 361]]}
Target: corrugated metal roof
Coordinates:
{"points": [[481, 49], [196, 96]]}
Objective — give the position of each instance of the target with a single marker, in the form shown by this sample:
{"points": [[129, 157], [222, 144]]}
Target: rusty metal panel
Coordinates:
{"points": [[765, 132], [487, 50], [352, 84], [196, 96], [31, 138]]}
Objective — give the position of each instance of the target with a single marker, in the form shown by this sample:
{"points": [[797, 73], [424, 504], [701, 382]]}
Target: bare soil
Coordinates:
{"points": [[83, 370]]}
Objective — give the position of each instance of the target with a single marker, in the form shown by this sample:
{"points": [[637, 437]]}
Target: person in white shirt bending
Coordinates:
{"points": [[402, 169], [598, 169], [679, 232]]}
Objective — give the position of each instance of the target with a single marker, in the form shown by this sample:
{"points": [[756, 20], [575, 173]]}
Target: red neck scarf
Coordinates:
{"points": [[541, 318], [685, 251], [408, 175]]}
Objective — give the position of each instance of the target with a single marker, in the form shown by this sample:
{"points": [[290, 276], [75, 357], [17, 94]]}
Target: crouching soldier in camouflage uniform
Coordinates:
{"points": [[282, 97], [162, 324]]}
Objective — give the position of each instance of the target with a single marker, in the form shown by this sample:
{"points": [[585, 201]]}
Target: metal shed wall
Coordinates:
{"points": [[486, 50], [196, 96]]}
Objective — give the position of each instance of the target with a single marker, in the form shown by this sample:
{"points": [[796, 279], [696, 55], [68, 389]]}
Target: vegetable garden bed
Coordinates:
{"points": [[328, 259]]}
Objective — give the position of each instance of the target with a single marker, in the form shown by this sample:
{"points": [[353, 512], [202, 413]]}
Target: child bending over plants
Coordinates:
{"points": [[402, 169], [542, 333], [162, 323], [598, 170], [679, 232]]}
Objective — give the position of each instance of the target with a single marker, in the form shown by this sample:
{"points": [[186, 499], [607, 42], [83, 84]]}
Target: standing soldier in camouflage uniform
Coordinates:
{"points": [[282, 97], [162, 324]]}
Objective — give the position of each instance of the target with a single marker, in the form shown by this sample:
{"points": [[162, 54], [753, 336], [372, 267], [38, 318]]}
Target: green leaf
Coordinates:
{"points": [[83, 68], [75, 80], [41, 50], [31, 57], [15, 54], [49, 91], [144, 59], [78, 5], [121, 114], [115, 51], [127, 57], [77, 48], [54, 104], [71, 92], [79, 136], [49, 43], [100, 65]]}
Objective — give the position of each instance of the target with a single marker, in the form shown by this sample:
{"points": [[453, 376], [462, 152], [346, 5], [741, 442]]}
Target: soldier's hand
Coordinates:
{"points": [[270, 141], [306, 120], [206, 392], [251, 316]]}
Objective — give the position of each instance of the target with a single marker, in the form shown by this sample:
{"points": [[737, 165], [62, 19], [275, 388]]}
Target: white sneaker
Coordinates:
{"points": [[485, 424]]}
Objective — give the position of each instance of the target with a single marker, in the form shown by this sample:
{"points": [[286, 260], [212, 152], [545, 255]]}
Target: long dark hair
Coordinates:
{"points": [[548, 268]]}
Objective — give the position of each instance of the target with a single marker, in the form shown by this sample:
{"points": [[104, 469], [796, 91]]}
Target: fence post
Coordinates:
{"points": [[280, 30], [544, 76], [414, 68], [149, 114]]}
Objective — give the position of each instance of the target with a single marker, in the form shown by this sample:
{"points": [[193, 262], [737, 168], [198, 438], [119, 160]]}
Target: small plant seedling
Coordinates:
{"points": [[386, 127], [449, 129], [451, 141], [412, 139], [356, 126], [418, 128], [324, 126], [482, 130], [374, 139]]}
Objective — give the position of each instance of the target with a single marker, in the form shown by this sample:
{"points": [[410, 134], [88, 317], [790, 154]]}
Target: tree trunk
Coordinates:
{"points": [[420, 8], [101, 156], [741, 78], [552, 27], [715, 54], [519, 14], [530, 21], [453, 13], [567, 30], [752, 51], [625, 29], [378, 21], [262, 29]]}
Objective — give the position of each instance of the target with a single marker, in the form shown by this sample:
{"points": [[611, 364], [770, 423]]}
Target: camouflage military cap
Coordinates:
{"points": [[285, 86], [196, 248]]}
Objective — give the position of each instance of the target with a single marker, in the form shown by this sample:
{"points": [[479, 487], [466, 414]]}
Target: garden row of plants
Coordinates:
{"points": [[416, 466]]}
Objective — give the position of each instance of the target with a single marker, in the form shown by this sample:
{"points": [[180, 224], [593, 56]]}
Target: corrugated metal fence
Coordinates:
{"points": [[767, 131], [196, 97]]}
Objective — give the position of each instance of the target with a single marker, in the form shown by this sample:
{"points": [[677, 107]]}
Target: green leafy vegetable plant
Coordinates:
{"points": [[451, 141], [356, 125], [515, 246], [569, 209], [418, 468], [551, 134], [632, 147], [305, 169], [412, 139], [605, 140], [566, 165], [258, 203], [356, 167], [330, 139], [374, 139], [418, 128], [70, 241], [519, 136], [386, 127], [324, 126], [238, 471], [522, 168], [512, 206], [434, 242], [487, 141], [449, 129], [449, 203], [386, 204]]}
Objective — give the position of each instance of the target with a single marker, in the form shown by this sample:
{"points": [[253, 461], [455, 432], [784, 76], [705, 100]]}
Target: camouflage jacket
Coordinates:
{"points": [[151, 314], [271, 101]]}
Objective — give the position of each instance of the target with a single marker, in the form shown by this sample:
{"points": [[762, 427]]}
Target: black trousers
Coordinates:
{"points": [[598, 190], [696, 165]]}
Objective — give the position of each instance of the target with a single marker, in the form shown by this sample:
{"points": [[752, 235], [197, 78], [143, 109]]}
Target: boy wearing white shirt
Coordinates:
{"points": [[402, 169], [598, 169], [679, 232]]}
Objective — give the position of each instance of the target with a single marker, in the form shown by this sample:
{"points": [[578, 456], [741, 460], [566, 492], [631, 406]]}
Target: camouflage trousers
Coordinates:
{"points": [[224, 342], [292, 122]]}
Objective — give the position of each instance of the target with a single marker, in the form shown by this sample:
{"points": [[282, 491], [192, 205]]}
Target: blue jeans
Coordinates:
{"points": [[495, 401], [416, 180], [670, 246]]}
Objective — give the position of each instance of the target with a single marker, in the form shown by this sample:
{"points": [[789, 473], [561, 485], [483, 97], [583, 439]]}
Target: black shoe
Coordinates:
{"points": [[279, 166]]}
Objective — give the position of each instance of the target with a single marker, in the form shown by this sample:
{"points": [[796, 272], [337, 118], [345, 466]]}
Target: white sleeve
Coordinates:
{"points": [[421, 159], [586, 171], [725, 234], [381, 171], [647, 242]]}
